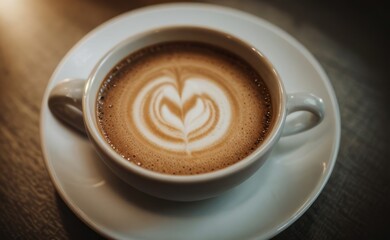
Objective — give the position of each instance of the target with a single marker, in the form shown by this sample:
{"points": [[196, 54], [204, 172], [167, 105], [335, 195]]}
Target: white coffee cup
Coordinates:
{"points": [[74, 102]]}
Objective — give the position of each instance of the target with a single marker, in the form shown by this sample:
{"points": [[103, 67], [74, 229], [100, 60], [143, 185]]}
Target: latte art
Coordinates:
{"points": [[182, 110]]}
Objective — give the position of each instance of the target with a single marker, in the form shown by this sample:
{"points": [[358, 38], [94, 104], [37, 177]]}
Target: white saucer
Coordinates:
{"points": [[267, 203]]}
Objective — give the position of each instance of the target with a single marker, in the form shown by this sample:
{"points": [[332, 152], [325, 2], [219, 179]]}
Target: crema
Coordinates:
{"points": [[184, 108]]}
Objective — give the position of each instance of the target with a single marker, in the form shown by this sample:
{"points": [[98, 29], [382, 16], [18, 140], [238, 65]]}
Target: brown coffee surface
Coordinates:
{"points": [[184, 108]]}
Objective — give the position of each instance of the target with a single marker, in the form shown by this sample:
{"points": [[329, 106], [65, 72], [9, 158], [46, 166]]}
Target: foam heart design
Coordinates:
{"points": [[181, 111]]}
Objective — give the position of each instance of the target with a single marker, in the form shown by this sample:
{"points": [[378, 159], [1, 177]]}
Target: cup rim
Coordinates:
{"points": [[94, 132]]}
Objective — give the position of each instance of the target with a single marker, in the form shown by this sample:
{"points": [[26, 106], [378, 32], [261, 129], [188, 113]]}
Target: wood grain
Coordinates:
{"points": [[350, 42]]}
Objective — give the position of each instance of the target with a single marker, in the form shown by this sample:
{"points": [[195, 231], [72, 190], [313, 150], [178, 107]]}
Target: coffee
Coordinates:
{"points": [[184, 108]]}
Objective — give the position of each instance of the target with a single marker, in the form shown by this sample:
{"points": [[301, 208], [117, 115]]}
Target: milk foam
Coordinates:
{"points": [[161, 112], [184, 108]]}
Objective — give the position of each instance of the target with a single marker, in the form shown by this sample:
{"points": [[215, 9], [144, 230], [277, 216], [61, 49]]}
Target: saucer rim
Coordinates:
{"points": [[244, 16]]}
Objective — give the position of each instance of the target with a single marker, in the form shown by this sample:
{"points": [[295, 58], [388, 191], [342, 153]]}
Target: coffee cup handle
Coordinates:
{"points": [[303, 102], [65, 102]]}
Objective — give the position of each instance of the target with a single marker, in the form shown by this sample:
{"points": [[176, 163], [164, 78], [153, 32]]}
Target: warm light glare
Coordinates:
{"points": [[18, 19], [10, 8]]}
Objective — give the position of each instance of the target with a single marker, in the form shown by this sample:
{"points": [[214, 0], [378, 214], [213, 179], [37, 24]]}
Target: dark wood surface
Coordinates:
{"points": [[349, 40]]}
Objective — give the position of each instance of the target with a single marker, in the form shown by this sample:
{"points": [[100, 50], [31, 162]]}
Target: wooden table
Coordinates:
{"points": [[348, 40]]}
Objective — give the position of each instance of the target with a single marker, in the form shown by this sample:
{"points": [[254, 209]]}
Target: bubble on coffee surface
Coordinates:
{"points": [[183, 108]]}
